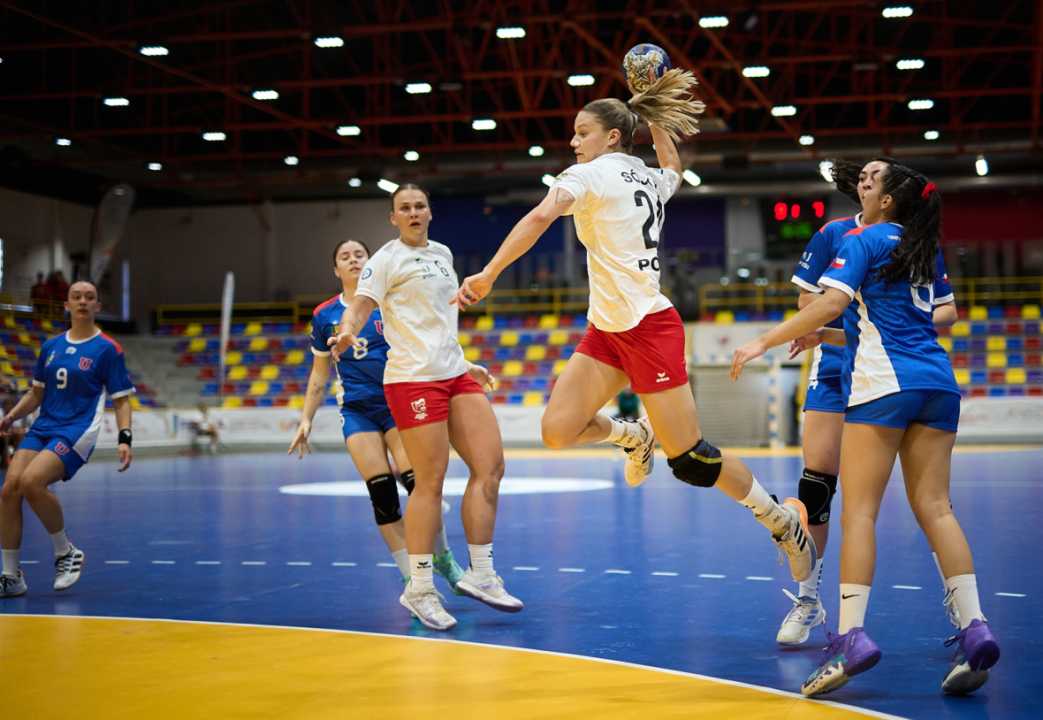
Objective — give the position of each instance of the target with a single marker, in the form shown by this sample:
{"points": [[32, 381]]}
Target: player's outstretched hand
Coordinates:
{"points": [[483, 377], [749, 351], [338, 344], [807, 342], [300, 440], [126, 455], [472, 290]]}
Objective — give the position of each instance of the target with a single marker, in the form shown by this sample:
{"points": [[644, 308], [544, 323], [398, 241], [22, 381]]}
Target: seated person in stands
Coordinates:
{"points": [[204, 427]]}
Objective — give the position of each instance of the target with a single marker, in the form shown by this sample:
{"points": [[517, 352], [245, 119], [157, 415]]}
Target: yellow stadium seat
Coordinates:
{"points": [[47, 325], [963, 376], [270, 372], [946, 343], [135, 404], [253, 328], [259, 387], [197, 345], [485, 322], [535, 353], [789, 313], [258, 344], [724, 317], [295, 357], [296, 402], [508, 338], [532, 399], [193, 329], [548, 322], [961, 328], [558, 337], [8, 321], [512, 368], [233, 358], [996, 360], [471, 354], [237, 372], [1016, 376], [996, 343], [464, 338], [7, 368], [979, 312], [24, 339], [232, 402], [559, 367], [1030, 312], [3, 351], [23, 383]]}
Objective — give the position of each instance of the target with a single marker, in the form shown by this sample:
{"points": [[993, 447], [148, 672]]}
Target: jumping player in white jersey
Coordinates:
{"points": [[902, 401], [635, 335], [368, 428], [437, 400], [825, 402], [74, 372]]}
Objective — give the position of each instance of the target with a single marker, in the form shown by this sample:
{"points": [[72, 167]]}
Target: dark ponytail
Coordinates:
{"points": [[918, 208]]}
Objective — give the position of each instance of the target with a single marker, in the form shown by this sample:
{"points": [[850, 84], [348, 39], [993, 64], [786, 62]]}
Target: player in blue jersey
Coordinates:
{"points": [[73, 373], [825, 402], [369, 430], [903, 401]]}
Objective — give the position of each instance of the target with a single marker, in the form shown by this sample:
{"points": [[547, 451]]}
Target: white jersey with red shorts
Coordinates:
{"points": [[425, 366], [619, 213]]}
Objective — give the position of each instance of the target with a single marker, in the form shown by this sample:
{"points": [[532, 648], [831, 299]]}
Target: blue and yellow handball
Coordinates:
{"points": [[643, 65]]}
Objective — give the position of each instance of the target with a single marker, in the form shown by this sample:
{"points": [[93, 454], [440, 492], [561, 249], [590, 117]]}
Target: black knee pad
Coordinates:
{"points": [[816, 491], [383, 493], [408, 481], [700, 466]]}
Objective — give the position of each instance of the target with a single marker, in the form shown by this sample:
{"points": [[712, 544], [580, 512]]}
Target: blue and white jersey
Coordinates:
{"points": [[891, 341], [360, 371], [75, 376]]}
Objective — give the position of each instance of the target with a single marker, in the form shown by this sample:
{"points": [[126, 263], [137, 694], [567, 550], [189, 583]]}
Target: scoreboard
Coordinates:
{"points": [[789, 223]]}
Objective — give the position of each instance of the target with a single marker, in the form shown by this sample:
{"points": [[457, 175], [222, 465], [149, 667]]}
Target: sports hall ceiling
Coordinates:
{"points": [[835, 61]]}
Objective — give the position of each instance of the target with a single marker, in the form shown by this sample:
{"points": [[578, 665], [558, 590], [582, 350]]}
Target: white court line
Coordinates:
{"points": [[117, 562], [712, 576], [29, 562], [572, 570], [164, 562], [344, 564], [1003, 594], [525, 568], [299, 563], [254, 562], [387, 564], [907, 587], [662, 573], [759, 578], [613, 571], [208, 562]]}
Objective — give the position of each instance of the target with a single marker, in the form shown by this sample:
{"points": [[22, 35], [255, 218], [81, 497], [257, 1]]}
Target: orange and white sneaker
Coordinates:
{"points": [[640, 457]]}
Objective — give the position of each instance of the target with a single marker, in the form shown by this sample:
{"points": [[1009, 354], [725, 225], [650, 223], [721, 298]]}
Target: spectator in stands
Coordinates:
{"points": [[74, 372], [902, 401], [437, 400], [206, 428], [40, 293], [635, 336], [365, 420], [58, 286]]}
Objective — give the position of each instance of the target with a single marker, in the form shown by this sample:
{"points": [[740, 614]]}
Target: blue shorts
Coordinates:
{"points": [[825, 395], [365, 417], [60, 446], [937, 409]]}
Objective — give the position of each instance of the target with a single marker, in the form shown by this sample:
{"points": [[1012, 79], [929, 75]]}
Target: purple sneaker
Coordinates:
{"points": [[848, 655], [977, 652]]}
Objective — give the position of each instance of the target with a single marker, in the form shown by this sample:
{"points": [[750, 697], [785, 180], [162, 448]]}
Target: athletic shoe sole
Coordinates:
{"points": [[473, 592], [426, 623], [841, 676]]}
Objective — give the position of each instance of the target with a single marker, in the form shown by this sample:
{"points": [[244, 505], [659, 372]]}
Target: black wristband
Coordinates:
{"points": [[125, 437]]}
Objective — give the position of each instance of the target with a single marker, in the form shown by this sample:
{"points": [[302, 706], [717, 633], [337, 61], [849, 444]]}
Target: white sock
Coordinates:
{"points": [[854, 599], [11, 562], [420, 569], [809, 588], [758, 500], [481, 558], [964, 590], [401, 558], [61, 543]]}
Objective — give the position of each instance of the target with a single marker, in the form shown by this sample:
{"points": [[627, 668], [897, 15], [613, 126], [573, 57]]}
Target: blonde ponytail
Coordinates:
{"points": [[669, 104]]}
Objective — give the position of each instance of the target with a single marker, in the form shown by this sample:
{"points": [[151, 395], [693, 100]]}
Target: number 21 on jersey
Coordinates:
{"points": [[655, 217]]}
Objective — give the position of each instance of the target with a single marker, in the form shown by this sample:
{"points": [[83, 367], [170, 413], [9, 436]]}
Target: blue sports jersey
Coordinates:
{"points": [[360, 371], [891, 341], [75, 376]]}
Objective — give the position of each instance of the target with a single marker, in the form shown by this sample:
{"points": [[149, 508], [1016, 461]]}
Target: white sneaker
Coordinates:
{"points": [[13, 586], [426, 607], [67, 568], [806, 614], [789, 530], [641, 457], [488, 588]]}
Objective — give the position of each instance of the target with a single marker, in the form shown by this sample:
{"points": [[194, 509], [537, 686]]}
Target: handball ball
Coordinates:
{"points": [[643, 65]]}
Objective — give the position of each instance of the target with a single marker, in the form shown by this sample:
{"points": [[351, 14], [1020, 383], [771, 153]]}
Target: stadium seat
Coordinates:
{"points": [[724, 317], [294, 357], [963, 376], [464, 338], [946, 344], [549, 322], [472, 354], [535, 352], [193, 330], [961, 329], [978, 312], [258, 387], [512, 368], [237, 372], [558, 337], [1016, 376], [484, 323], [508, 338], [270, 372], [996, 343], [532, 399], [1030, 312], [559, 367], [258, 344], [232, 402], [251, 329], [996, 360]]}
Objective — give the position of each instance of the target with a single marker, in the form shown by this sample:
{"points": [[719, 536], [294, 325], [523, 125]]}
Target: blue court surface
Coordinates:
{"points": [[664, 575]]}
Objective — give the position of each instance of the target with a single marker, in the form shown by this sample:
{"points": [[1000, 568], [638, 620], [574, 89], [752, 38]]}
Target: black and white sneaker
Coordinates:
{"points": [[12, 586], [641, 457], [67, 568]]}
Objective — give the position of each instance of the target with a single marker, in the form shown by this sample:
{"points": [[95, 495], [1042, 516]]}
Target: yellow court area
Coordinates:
{"points": [[62, 667]]}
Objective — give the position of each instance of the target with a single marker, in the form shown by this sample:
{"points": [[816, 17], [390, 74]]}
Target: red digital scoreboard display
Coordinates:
{"points": [[789, 223]]}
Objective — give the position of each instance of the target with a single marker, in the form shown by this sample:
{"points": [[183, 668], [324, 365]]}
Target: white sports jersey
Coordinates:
{"points": [[619, 214], [413, 286]]}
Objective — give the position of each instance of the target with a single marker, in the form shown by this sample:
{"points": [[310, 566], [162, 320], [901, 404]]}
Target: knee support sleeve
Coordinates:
{"points": [[383, 493], [408, 481], [816, 491], [700, 466]]}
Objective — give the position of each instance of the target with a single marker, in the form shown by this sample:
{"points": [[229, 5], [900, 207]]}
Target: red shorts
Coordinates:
{"points": [[651, 353], [414, 404]]}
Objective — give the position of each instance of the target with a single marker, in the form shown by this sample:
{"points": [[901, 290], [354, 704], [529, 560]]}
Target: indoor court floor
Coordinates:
{"points": [[255, 584]]}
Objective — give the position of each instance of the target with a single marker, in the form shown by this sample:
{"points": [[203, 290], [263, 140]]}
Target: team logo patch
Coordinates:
{"points": [[50, 359], [419, 409], [662, 377], [379, 325], [366, 273], [70, 351], [61, 448], [85, 363], [838, 263]]}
